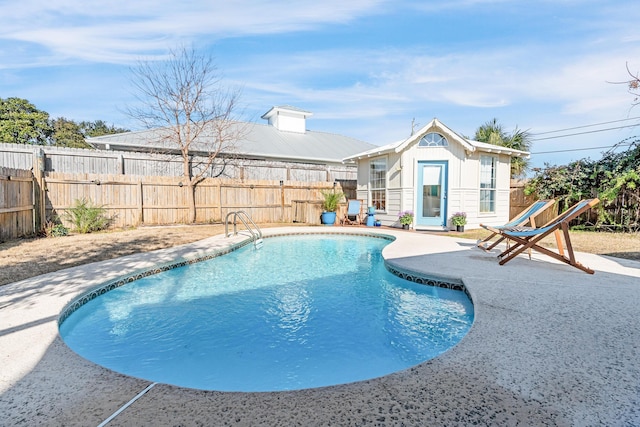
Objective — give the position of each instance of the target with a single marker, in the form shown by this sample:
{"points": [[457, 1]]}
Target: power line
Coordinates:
{"points": [[585, 126], [581, 149], [581, 133]]}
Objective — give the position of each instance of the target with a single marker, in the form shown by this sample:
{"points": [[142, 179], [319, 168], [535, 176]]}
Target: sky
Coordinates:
{"points": [[367, 69]]}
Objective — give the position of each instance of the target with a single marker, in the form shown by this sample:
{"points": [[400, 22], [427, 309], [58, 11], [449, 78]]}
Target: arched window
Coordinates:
{"points": [[433, 140]]}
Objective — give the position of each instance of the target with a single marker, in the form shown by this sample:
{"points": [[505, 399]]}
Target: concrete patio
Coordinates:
{"points": [[550, 345]]}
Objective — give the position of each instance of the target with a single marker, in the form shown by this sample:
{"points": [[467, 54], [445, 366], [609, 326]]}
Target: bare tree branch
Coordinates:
{"points": [[633, 85], [183, 99]]}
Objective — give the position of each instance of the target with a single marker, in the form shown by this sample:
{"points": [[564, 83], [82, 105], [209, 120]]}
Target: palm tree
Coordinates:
{"points": [[519, 140], [493, 133]]}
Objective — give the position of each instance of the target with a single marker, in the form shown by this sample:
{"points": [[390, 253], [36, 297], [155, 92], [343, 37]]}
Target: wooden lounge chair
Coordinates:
{"points": [[354, 213], [527, 216], [528, 238]]}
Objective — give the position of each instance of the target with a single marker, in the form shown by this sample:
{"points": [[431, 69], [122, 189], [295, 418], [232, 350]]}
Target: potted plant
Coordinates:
{"points": [[330, 202], [406, 219], [459, 219]]}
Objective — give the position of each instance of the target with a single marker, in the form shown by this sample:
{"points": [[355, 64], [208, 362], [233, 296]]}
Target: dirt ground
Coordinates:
{"points": [[24, 258]]}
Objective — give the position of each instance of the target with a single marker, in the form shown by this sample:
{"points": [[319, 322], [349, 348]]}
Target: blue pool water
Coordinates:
{"points": [[301, 312]]}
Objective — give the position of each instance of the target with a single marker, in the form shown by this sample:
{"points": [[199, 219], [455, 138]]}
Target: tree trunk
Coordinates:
{"points": [[191, 199], [191, 184]]}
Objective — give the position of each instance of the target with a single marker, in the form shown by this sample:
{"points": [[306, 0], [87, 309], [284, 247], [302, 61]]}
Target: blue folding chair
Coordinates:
{"points": [[524, 239], [354, 213], [526, 216]]}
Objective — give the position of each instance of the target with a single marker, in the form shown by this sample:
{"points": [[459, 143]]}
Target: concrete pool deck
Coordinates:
{"points": [[550, 345]]}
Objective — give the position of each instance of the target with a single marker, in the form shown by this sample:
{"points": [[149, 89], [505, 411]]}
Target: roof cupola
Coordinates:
{"points": [[288, 119]]}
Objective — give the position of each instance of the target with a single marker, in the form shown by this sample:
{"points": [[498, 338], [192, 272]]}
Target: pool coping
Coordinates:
{"points": [[549, 345]]}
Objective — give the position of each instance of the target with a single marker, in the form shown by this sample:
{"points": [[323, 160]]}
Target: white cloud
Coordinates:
{"points": [[367, 90], [539, 87], [120, 31]]}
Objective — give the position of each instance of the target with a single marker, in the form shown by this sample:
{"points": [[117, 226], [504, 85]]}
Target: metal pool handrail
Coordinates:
{"points": [[256, 233]]}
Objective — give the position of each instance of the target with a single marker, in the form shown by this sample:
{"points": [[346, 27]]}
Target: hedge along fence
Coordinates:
{"points": [[620, 215], [17, 203], [156, 200]]}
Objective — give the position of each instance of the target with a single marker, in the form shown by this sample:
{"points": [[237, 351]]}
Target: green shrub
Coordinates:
{"points": [[59, 230], [614, 179], [55, 229], [87, 217]]}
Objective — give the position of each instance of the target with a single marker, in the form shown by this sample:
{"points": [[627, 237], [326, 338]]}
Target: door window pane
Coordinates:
{"points": [[431, 190]]}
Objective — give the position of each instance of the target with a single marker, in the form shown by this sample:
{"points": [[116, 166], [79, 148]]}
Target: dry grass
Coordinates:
{"points": [[24, 258], [21, 259], [621, 245]]}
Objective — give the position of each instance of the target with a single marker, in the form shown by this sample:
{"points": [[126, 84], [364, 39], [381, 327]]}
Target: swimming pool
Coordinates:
{"points": [[301, 312]]}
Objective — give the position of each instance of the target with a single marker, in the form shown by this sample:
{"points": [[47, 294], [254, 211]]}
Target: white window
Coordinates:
{"points": [[378, 184], [433, 140], [487, 184]]}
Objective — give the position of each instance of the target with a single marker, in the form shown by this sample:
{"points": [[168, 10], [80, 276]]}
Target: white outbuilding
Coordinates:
{"points": [[435, 173]]}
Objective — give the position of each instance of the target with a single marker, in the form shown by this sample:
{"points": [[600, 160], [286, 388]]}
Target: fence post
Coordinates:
{"points": [[140, 204], [39, 210], [281, 201], [220, 200]]}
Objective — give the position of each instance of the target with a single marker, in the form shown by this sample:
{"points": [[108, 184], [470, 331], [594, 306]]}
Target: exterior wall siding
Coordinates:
{"points": [[394, 197]]}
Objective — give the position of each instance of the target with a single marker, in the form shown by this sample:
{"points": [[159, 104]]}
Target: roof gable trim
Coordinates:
{"points": [[435, 125]]}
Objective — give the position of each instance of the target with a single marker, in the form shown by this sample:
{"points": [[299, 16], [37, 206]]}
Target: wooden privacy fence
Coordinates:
{"points": [[520, 201], [156, 200], [78, 160], [17, 203], [136, 200]]}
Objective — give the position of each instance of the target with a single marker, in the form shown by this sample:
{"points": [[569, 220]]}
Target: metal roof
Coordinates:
{"points": [[261, 141]]}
